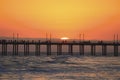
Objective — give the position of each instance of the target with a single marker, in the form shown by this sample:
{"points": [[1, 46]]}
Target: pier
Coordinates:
{"points": [[81, 44]]}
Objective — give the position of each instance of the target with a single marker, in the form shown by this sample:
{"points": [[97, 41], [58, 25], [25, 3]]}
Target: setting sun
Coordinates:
{"points": [[64, 38]]}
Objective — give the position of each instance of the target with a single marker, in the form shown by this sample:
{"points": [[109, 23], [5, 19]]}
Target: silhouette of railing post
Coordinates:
{"points": [[93, 50], [104, 50]]}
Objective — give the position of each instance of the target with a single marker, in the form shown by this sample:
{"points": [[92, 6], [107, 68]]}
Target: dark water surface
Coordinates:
{"points": [[63, 67]]}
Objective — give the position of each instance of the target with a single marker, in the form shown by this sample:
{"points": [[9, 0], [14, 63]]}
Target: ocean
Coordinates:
{"points": [[62, 67]]}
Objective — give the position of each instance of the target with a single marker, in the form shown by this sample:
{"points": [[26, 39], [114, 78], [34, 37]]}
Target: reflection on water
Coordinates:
{"points": [[63, 67]]}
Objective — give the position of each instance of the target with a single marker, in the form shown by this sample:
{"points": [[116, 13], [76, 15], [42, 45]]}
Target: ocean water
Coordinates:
{"points": [[64, 67]]}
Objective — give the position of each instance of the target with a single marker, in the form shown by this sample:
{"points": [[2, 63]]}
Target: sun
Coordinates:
{"points": [[64, 38]]}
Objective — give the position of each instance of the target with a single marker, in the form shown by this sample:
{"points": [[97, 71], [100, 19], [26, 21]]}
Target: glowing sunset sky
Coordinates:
{"points": [[97, 19]]}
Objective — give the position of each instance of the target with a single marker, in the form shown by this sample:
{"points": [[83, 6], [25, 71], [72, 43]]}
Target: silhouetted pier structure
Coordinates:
{"points": [[26, 43]]}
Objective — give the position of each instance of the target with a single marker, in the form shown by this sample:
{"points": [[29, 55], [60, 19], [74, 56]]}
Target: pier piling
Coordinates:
{"points": [[115, 50], [70, 49], [93, 50], [104, 50], [4, 49]]}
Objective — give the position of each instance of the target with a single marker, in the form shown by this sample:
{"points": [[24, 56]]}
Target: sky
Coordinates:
{"points": [[96, 19]]}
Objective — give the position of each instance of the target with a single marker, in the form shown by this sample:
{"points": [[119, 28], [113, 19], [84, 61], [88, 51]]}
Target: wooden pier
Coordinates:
{"points": [[26, 43]]}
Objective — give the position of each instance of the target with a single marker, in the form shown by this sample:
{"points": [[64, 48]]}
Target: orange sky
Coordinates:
{"points": [[97, 19]]}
